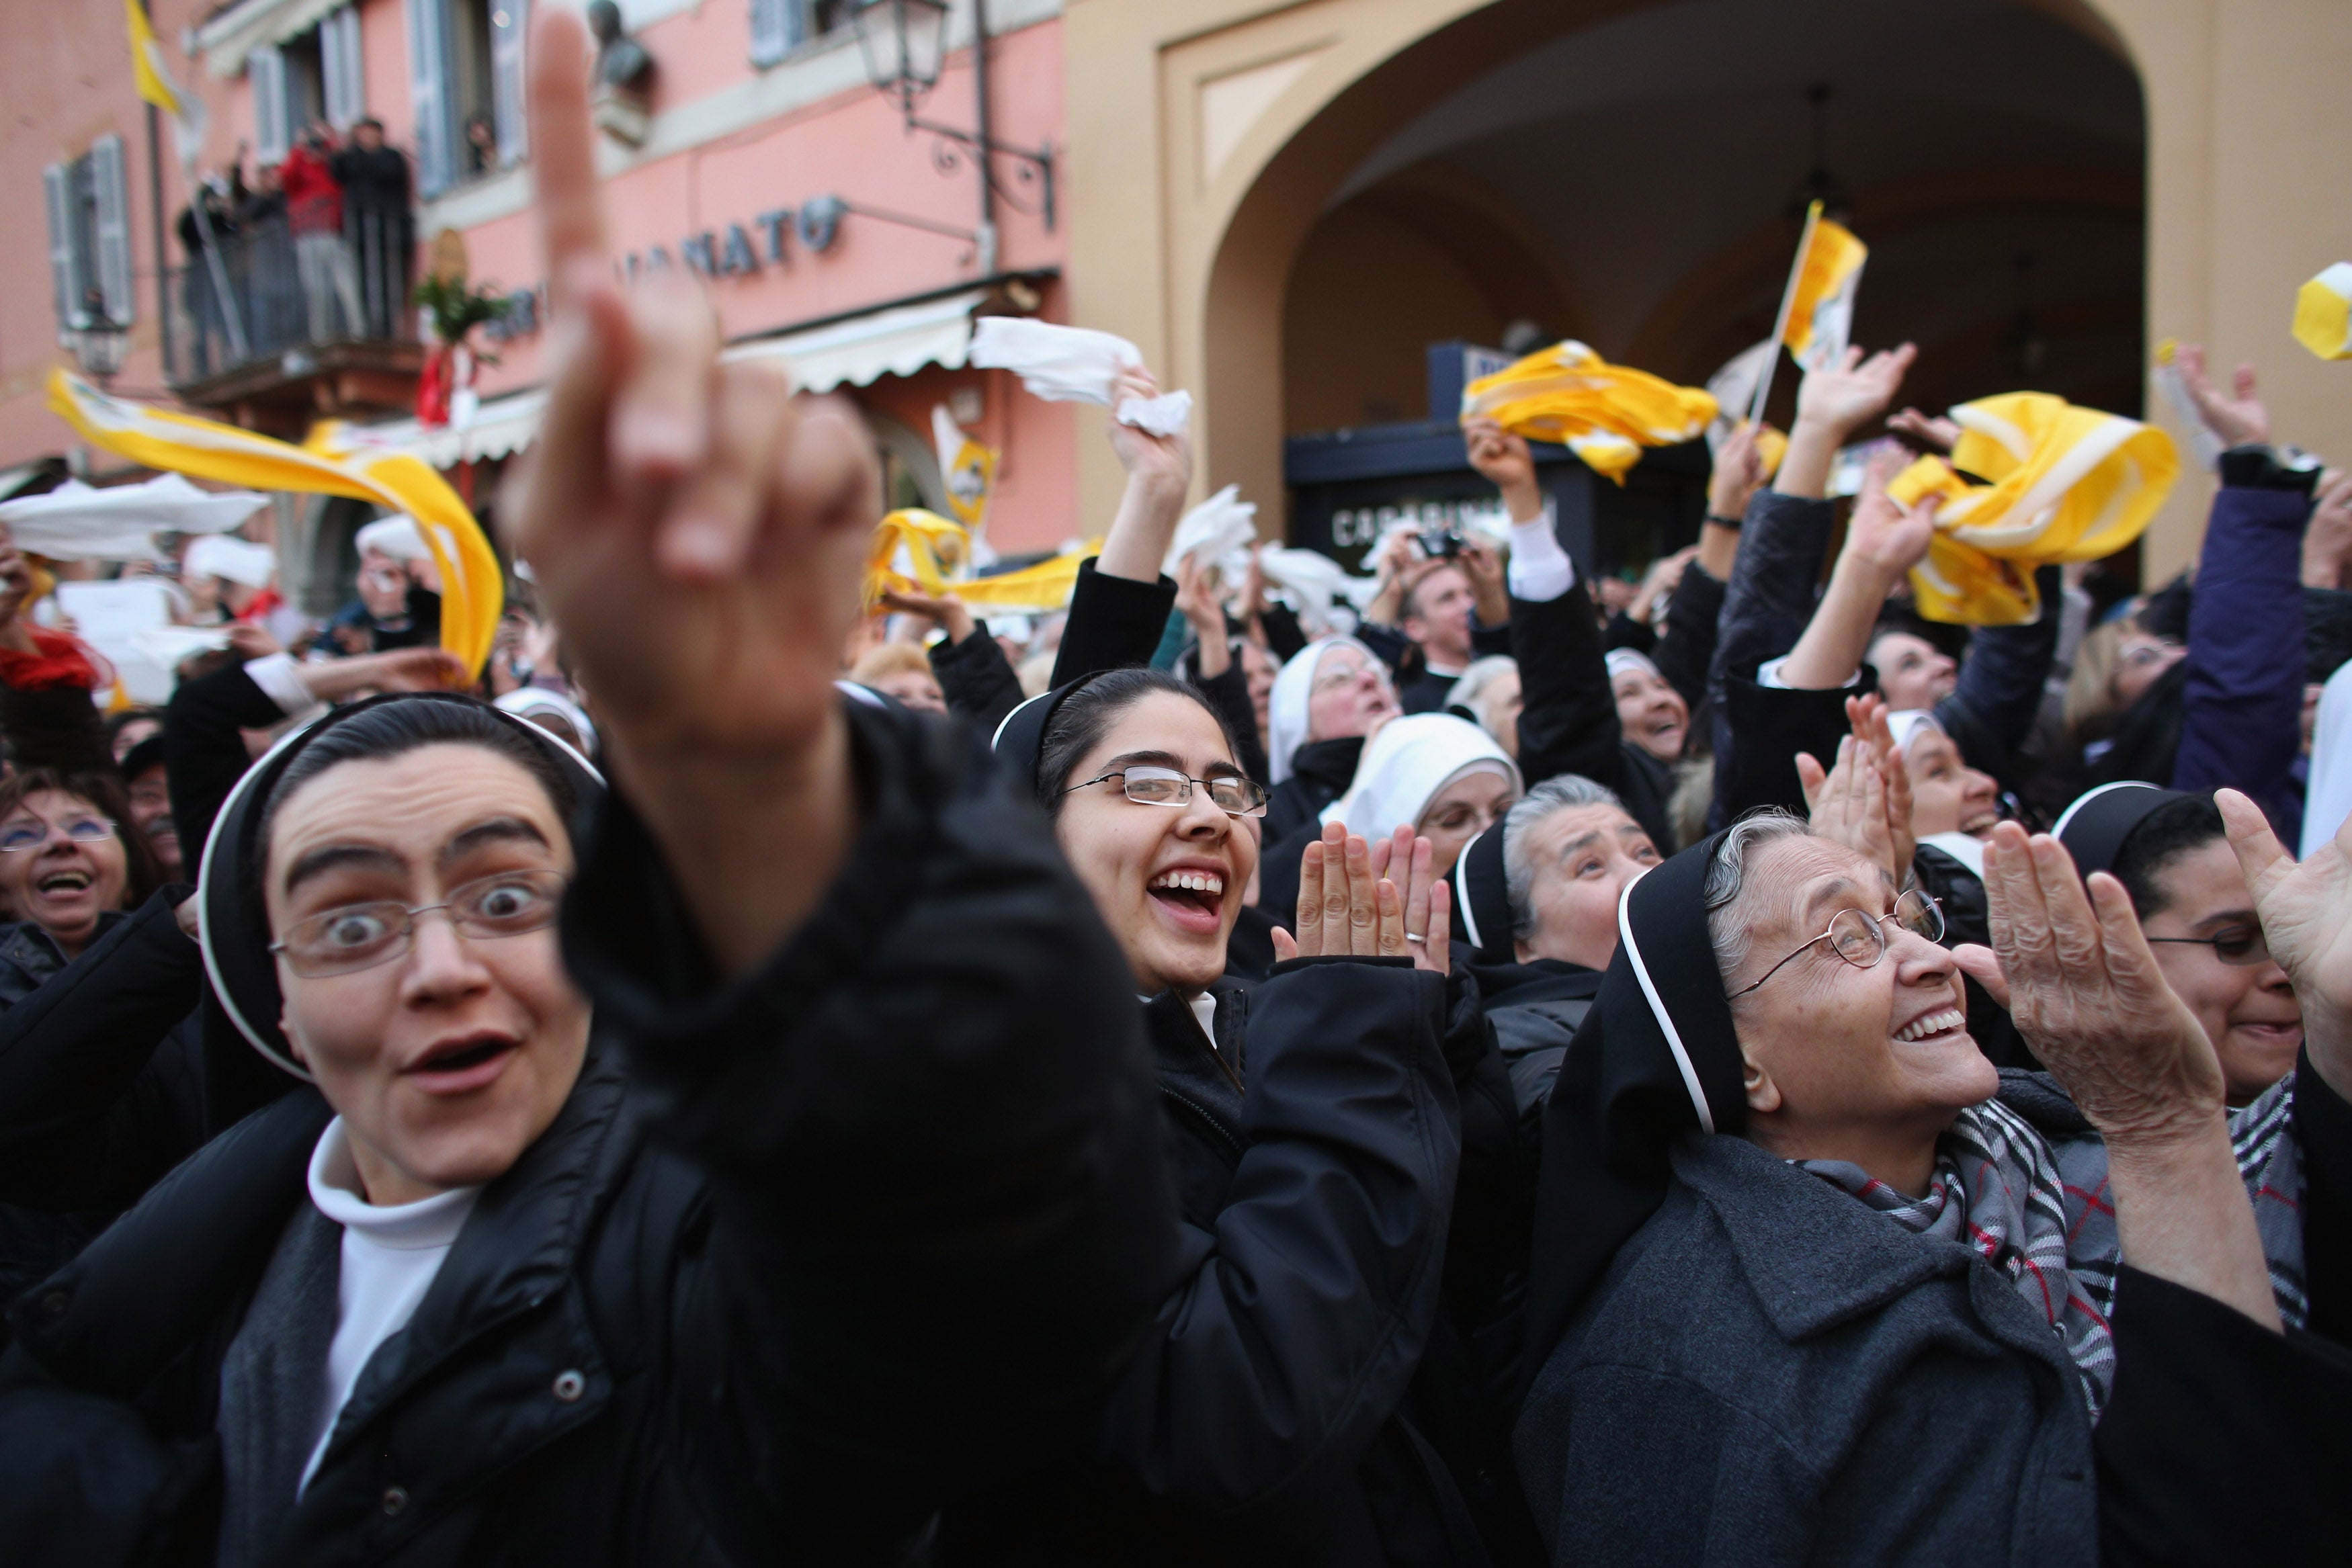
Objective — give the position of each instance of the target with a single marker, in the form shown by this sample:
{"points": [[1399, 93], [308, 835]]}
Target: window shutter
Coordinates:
{"points": [[265, 73], [428, 82], [778, 26], [345, 83], [509, 22], [111, 185], [56, 183]]}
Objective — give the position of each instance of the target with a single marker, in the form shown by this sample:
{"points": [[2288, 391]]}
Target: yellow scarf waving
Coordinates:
{"points": [[1604, 414], [473, 588], [932, 549], [2066, 484]]}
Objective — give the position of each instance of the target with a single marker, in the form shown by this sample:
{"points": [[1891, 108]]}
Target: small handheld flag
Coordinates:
{"points": [[2323, 313], [1817, 308]]}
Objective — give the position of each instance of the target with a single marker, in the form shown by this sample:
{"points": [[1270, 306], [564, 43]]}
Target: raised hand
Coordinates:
{"points": [[2238, 416], [1850, 394], [1932, 432], [1349, 907], [1738, 474], [2086, 992], [1504, 461], [699, 533], [2305, 910], [1884, 535], [1848, 805], [945, 611]]}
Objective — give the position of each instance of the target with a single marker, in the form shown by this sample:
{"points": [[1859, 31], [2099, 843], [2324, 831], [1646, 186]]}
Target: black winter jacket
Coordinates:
{"points": [[976, 680], [871, 1224], [1568, 720], [1313, 1154], [101, 1089], [1320, 772], [1535, 1009]]}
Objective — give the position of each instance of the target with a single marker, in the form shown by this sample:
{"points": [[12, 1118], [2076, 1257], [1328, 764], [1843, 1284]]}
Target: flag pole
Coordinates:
{"points": [[1780, 322]]}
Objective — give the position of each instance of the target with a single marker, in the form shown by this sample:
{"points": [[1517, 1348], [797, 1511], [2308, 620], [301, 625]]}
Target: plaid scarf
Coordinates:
{"points": [[2261, 1135], [1998, 1190]]}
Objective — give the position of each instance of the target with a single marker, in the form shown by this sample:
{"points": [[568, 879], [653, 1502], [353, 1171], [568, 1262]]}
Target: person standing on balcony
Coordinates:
{"points": [[314, 209], [374, 180], [199, 282]]}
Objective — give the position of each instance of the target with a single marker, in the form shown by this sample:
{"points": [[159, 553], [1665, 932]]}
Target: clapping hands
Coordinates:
{"points": [[1348, 904]]}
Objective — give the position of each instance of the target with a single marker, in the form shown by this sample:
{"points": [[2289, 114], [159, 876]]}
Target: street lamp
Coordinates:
{"points": [[98, 341], [905, 45]]}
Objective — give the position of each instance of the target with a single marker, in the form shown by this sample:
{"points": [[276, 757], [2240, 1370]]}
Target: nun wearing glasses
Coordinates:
{"points": [[1814, 1284], [1311, 1128]]}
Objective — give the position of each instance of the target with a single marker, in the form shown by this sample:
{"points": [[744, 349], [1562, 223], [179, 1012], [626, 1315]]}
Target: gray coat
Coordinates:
{"points": [[1773, 1372]]}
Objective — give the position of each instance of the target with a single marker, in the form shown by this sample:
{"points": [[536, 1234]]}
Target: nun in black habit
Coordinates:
{"points": [[1749, 1351]]}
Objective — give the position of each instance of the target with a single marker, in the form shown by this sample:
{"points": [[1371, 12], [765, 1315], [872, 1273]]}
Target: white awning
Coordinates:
{"points": [[231, 35], [895, 342], [856, 352], [502, 426]]}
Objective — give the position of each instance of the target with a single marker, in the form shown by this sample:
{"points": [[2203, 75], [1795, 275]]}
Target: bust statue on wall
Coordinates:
{"points": [[621, 102]]}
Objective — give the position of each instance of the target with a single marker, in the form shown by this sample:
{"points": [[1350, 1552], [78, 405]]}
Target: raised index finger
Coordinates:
{"points": [[563, 153]]}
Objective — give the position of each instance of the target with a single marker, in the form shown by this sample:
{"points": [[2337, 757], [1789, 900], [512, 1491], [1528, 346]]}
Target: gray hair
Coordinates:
{"points": [[1726, 879], [1470, 691], [1559, 794]]}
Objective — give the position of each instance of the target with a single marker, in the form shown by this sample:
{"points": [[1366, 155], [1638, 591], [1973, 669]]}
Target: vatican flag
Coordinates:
{"points": [[473, 588], [154, 84], [917, 550], [2066, 484], [1817, 314], [2323, 313], [968, 469], [1604, 414]]}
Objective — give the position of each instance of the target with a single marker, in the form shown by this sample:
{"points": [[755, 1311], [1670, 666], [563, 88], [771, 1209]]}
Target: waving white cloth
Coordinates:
{"points": [[1073, 364], [1405, 765], [80, 522], [1218, 532]]}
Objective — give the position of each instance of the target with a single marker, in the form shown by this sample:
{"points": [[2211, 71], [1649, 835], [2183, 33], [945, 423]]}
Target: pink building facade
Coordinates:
{"points": [[832, 234]]}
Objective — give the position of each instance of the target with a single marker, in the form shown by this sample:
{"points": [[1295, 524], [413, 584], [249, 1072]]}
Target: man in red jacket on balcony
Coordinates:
{"points": [[314, 211]]}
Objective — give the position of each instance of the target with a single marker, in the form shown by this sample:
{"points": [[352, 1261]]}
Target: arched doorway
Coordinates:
{"points": [[1635, 178]]}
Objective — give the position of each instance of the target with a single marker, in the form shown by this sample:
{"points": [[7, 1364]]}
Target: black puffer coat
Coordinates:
{"points": [[1314, 1154], [1535, 1009], [871, 1224]]}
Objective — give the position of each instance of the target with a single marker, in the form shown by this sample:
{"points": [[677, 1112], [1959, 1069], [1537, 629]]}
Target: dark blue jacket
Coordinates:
{"points": [[2243, 701]]}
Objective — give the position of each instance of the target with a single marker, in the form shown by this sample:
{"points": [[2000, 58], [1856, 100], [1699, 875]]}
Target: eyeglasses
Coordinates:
{"points": [[361, 935], [1343, 676], [2242, 945], [1861, 939], [1166, 787], [32, 835]]}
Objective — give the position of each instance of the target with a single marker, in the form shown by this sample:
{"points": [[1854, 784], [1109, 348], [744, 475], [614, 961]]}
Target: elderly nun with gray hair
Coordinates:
{"points": [[1538, 897], [1814, 1283]]}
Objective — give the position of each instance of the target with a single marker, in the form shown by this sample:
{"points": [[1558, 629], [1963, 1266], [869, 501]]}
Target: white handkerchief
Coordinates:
{"points": [[1073, 364]]}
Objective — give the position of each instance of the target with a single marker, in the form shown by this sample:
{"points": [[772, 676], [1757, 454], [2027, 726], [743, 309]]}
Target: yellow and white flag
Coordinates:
{"points": [[1817, 313], [916, 549], [473, 588], [155, 85], [1604, 414], [2323, 313], [2066, 484], [968, 469]]}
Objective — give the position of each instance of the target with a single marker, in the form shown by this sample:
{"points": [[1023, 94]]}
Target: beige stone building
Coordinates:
{"points": [[1286, 204]]}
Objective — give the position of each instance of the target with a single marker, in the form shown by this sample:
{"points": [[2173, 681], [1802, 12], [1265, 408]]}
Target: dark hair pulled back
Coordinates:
{"points": [[1086, 715], [2162, 836]]}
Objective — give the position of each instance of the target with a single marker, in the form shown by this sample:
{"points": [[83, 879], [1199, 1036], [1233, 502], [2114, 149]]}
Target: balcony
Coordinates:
{"points": [[271, 329]]}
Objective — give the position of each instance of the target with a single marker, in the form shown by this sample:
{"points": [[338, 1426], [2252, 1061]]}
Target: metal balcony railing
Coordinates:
{"points": [[264, 291]]}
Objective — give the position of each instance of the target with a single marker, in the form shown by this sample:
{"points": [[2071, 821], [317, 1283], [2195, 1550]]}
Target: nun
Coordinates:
{"points": [[1435, 775], [2171, 851], [1809, 1284], [1538, 895], [473, 1290], [1311, 1127], [1328, 697]]}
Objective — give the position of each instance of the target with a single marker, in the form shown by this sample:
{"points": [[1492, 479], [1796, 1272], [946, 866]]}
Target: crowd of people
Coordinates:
{"points": [[318, 246], [1716, 1070]]}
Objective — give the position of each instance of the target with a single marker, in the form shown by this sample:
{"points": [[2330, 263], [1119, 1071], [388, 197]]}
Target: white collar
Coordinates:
{"points": [[429, 1222]]}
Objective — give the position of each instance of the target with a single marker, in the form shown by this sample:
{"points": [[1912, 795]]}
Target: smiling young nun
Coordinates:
{"points": [[1801, 1279], [1311, 1126]]}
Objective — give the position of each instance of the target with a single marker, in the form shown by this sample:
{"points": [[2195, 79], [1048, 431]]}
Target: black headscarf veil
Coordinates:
{"points": [[1482, 900], [2094, 826], [1655, 1059], [237, 961]]}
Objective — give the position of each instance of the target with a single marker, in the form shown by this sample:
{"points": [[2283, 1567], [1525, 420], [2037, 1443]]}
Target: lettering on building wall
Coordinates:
{"points": [[1352, 527]]}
